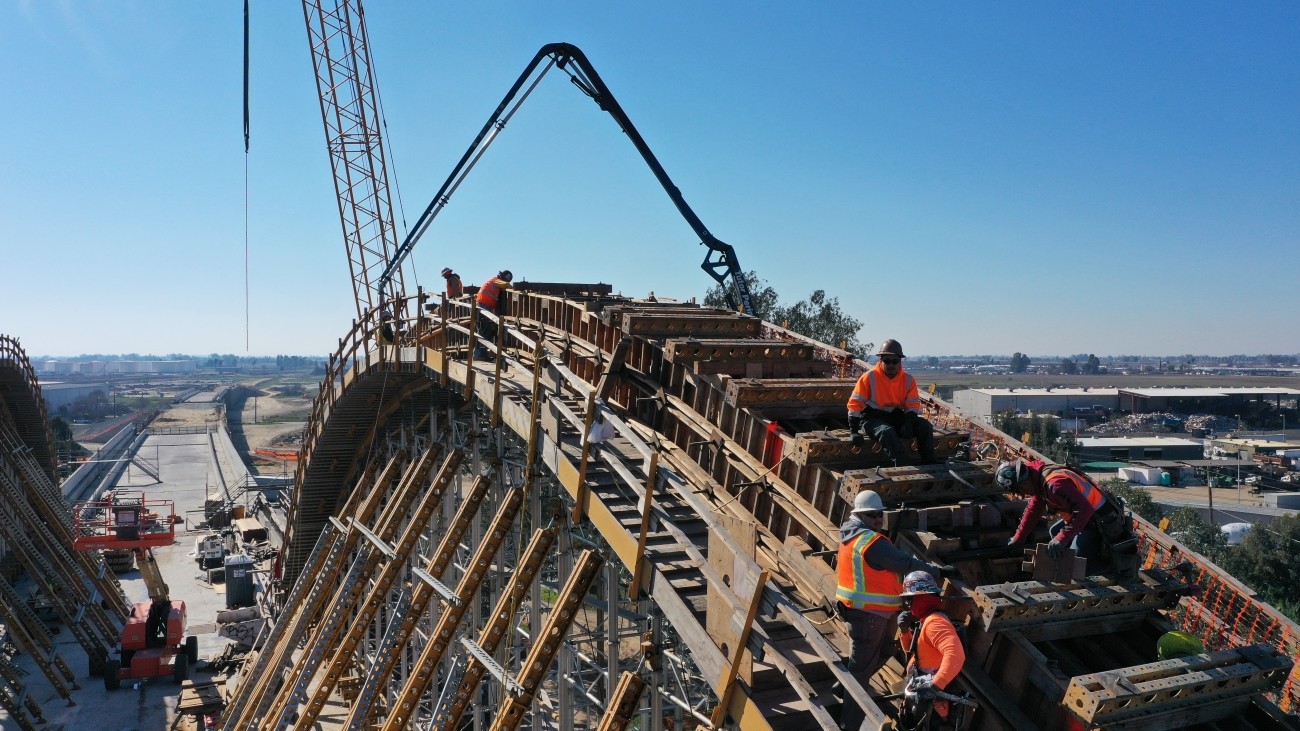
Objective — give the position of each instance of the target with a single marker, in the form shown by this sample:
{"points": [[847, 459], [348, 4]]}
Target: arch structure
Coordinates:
{"points": [[20, 397], [599, 512]]}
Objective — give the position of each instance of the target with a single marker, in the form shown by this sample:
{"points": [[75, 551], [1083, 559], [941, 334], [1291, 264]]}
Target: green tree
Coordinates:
{"points": [[1092, 366], [62, 430], [818, 317], [822, 319], [760, 293], [1020, 363], [1069, 367], [1135, 499], [1268, 560], [1195, 533]]}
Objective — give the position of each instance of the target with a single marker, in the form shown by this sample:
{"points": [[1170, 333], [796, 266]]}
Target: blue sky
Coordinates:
{"points": [[967, 178]]}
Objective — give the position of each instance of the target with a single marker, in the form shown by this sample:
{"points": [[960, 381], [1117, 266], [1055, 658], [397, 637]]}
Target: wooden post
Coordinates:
{"points": [[443, 347], [638, 571], [581, 498], [727, 683], [469, 355]]}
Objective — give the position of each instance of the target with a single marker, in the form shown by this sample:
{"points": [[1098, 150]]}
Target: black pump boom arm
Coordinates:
{"points": [[720, 261]]}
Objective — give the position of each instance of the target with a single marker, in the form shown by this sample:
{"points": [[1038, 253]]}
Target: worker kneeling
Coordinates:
{"points": [[887, 406], [1092, 520], [934, 656]]}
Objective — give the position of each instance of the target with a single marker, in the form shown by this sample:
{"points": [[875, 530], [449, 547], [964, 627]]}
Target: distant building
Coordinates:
{"points": [[1248, 447], [1225, 401], [1125, 449], [64, 394], [1064, 402], [101, 367]]}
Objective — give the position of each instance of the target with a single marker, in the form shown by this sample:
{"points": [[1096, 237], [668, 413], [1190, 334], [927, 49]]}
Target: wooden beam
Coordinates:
{"points": [[647, 505], [728, 680]]}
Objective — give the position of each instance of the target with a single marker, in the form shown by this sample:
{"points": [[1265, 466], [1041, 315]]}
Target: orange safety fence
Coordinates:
{"points": [[1224, 614], [291, 454]]}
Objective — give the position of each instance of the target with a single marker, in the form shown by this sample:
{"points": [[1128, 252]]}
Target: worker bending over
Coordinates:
{"points": [[489, 298], [455, 289], [869, 567], [886, 404], [1092, 521], [934, 652]]}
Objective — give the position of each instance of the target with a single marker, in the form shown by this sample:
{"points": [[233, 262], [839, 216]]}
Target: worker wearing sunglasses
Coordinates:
{"points": [[886, 406]]}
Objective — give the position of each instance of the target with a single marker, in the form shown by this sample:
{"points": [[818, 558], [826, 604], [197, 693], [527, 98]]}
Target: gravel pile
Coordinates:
{"points": [[1155, 422]]}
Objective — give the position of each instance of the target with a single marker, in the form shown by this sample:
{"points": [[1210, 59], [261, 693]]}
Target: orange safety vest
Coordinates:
{"points": [[859, 585], [878, 391], [489, 293], [1093, 494], [454, 287]]}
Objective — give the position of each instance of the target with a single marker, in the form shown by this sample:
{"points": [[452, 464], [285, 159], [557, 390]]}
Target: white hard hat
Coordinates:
{"points": [[868, 501]]}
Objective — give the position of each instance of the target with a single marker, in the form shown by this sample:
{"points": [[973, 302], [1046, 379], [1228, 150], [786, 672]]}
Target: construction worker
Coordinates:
{"points": [[1092, 521], [868, 585], [455, 289], [887, 406], [934, 652], [489, 298], [385, 334]]}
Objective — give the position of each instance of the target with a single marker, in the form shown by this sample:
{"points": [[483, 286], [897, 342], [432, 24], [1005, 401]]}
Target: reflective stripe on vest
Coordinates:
{"points": [[1093, 494], [873, 398], [488, 294], [859, 585]]}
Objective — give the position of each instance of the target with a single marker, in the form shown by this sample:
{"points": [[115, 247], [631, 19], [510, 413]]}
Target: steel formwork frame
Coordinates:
{"points": [[601, 644]]}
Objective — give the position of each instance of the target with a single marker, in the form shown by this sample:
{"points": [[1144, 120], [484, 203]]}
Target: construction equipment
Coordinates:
{"points": [[720, 262], [349, 108], [153, 642]]}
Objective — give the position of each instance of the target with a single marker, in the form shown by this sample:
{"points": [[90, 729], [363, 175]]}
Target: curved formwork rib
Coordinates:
{"points": [[36, 529], [719, 496]]}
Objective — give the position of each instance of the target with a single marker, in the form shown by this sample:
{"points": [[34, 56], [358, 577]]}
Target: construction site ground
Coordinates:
{"points": [[187, 465]]}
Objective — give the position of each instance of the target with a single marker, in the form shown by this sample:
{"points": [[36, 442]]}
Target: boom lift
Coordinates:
{"points": [[153, 642], [720, 262]]}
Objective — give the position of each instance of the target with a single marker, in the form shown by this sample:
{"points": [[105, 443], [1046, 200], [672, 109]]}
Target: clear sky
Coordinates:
{"points": [[1105, 177]]}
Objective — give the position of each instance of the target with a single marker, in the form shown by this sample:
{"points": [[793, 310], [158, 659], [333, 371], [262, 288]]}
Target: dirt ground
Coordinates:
{"points": [[276, 420]]}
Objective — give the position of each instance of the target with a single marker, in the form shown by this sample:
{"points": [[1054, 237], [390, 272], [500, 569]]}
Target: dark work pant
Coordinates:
{"points": [[894, 440], [1087, 544], [487, 331], [871, 642]]}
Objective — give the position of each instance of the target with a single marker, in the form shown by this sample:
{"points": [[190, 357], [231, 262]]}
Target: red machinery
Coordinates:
{"points": [[153, 642]]}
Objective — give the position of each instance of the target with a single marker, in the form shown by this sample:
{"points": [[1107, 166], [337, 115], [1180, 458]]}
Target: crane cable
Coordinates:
{"points": [[247, 338]]}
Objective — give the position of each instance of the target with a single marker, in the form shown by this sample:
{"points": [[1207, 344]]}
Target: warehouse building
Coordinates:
{"points": [[1224, 401], [1127, 449], [1064, 402]]}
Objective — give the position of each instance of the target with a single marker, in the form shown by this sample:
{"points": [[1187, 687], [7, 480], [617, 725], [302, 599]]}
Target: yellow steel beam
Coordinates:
{"points": [[547, 642]]}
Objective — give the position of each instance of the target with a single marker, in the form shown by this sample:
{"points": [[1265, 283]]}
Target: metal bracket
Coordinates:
{"points": [[512, 686], [447, 595]]}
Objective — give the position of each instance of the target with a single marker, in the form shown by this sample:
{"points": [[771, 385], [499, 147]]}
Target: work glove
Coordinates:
{"points": [[923, 688], [855, 429], [948, 571], [1055, 549], [906, 621]]}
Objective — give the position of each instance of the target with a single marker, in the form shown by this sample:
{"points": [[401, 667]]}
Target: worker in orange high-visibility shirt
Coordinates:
{"points": [[886, 405], [934, 652], [868, 567], [489, 298]]}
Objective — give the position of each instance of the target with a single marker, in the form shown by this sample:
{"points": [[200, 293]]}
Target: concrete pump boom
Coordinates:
{"points": [[720, 262]]}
